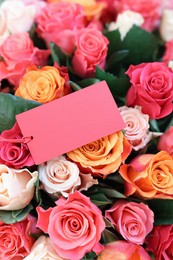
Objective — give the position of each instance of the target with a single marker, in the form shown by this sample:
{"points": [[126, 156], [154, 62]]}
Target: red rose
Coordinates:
{"points": [[160, 242], [90, 52], [152, 88], [18, 52], [16, 155]]}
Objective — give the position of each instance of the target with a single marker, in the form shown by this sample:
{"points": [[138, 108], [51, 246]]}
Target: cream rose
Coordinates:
{"points": [[137, 126], [125, 22], [18, 17], [59, 176], [43, 250], [16, 187], [166, 25]]}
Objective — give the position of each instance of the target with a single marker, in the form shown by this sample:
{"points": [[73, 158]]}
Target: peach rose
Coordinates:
{"points": [[122, 250], [59, 176], [16, 240], [137, 127], [43, 84], [165, 142], [91, 51], [104, 156], [17, 53], [17, 187], [155, 180], [74, 226], [125, 22], [43, 250], [134, 221], [58, 23]]}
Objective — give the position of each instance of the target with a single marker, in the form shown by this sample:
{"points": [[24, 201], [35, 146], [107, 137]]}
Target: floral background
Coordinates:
{"points": [[111, 198]]}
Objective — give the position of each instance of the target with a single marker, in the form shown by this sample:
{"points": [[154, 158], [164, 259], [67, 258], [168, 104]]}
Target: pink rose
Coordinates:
{"points": [[165, 142], [123, 250], [160, 242], [152, 88], [15, 239], [168, 54], [91, 51], [58, 23], [149, 9], [74, 226], [134, 221], [18, 52], [16, 155]]}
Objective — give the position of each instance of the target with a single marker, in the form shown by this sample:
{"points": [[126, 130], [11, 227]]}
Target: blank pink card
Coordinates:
{"points": [[70, 122]]}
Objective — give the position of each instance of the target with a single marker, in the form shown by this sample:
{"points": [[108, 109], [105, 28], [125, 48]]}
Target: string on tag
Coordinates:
{"points": [[24, 139]]}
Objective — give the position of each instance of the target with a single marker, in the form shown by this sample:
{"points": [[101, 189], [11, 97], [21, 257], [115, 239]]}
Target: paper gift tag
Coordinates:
{"points": [[70, 122]]}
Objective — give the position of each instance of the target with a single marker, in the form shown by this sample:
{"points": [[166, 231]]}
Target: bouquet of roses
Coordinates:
{"points": [[111, 198]]}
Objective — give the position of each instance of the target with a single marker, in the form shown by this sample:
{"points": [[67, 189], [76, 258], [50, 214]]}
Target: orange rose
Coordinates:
{"points": [[92, 8], [103, 156], [155, 180], [43, 84]]}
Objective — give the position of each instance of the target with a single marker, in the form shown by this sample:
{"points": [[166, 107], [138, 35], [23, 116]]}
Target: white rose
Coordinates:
{"points": [[59, 176], [16, 187], [18, 17], [137, 126], [43, 250], [125, 22], [166, 25], [4, 33]]}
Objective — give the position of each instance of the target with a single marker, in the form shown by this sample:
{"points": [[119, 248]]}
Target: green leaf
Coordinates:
{"points": [[141, 44], [89, 256], [10, 217], [118, 86], [115, 58], [154, 125], [10, 106], [57, 55], [100, 199], [165, 122], [74, 86], [115, 177], [108, 223], [163, 211], [170, 124], [114, 42], [108, 236], [37, 192], [112, 193], [87, 82]]}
